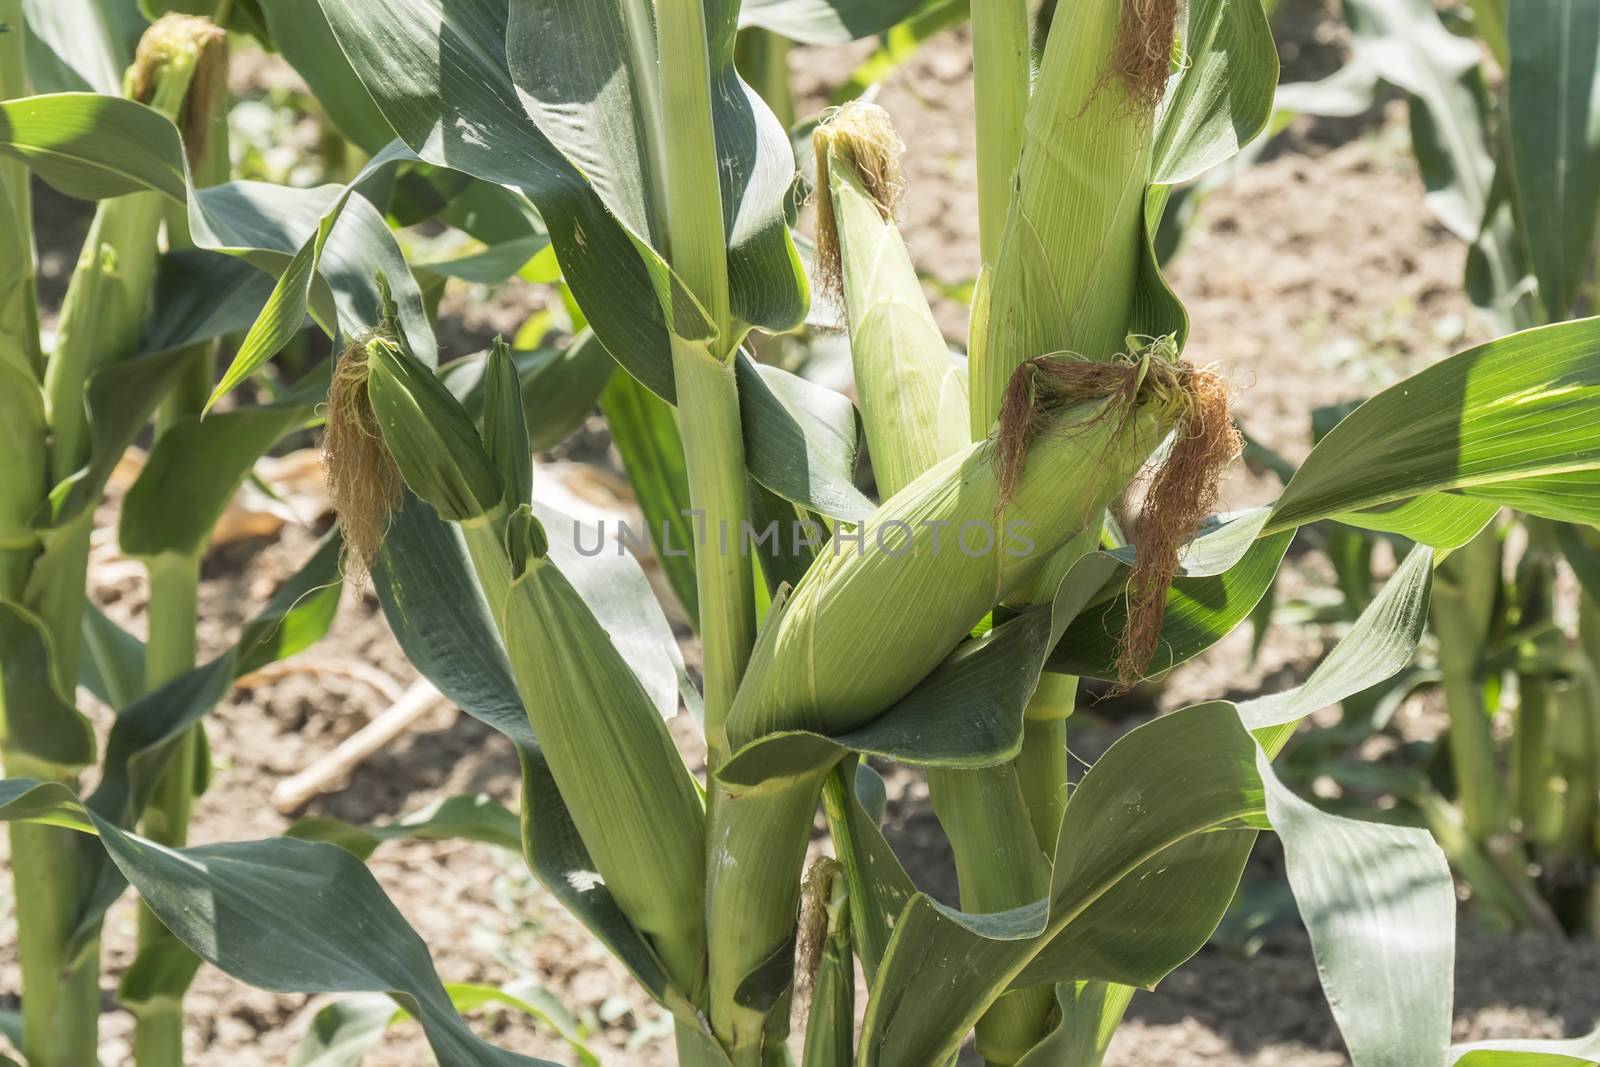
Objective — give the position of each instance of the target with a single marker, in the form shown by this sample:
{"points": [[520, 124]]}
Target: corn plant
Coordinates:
{"points": [[136, 342], [1505, 135], [887, 629]]}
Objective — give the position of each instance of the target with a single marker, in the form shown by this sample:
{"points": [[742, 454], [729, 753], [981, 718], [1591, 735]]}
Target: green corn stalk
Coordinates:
{"points": [[708, 396], [21, 362], [1462, 613], [45, 573]]}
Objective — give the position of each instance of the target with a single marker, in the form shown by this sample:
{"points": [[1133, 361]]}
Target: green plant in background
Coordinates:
{"points": [[136, 341], [1507, 138], [661, 187]]}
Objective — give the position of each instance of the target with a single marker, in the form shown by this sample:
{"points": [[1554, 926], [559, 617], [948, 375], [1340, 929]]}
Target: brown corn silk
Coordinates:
{"points": [[812, 933], [1183, 489], [863, 134], [363, 482]]}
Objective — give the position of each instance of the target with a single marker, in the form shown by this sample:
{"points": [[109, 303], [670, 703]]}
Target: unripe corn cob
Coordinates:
{"points": [[862, 629], [613, 759], [1070, 253], [836, 657], [914, 409], [634, 803], [429, 434], [913, 401]]}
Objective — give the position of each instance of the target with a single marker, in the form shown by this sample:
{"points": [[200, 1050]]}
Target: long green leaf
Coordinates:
{"points": [[1515, 421], [80, 45], [192, 473], [41, 724], [1223, 96], [1554, 136], [439, 74], [299, 917], [830, 21], [1406, 42], [1512, 1053], [1119, 832], [1379, 904], [96, 146]]}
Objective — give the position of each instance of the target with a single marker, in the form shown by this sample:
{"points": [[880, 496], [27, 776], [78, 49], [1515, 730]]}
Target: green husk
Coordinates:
{"points": [[505, 426], [913, 400], [836, 658], [429, 435], [914, 409], [634, 803], [862, 629], [1064, 277]]}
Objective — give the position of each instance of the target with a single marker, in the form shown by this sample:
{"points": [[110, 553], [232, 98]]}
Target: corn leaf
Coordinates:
{"points": [[1223, 576], [112, 666], [277, 914], [342, 1033], [897, 46], [473, 121], [274, 913], [1222, 97], [460, 818], [1087, 1013], [645, 433], [45, 803], [1379, 903], [1511, 1053], [801, 441], [92, 147], [120, 399], [587, 75], [1554, 137], [419, 576], [95, 146], [146, 731], [301, 34], [1119, 826], [80, 45], [192, 473], [1515, 421], [41, 724], [286, 308], [1407, 44], [830, 21], [200, 295]]}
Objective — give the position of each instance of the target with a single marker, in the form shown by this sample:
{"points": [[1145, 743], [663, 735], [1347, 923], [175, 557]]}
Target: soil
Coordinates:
{"points": [[1315, 275]]}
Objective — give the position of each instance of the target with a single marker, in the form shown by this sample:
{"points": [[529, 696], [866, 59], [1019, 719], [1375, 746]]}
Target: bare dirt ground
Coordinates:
{"points": [[1314, 276]]}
